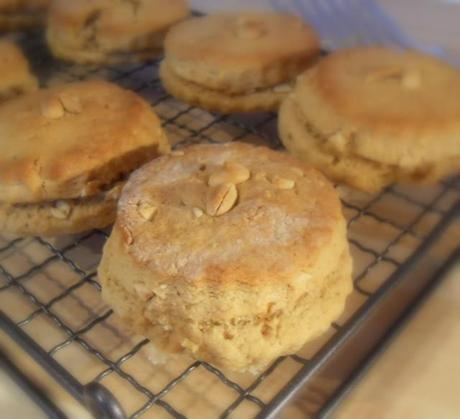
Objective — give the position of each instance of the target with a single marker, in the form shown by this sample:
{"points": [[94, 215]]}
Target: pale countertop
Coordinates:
{"points": [[418, 376]]}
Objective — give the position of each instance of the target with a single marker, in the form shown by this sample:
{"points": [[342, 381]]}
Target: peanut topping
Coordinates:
{"points": [[282, 183], [249, 29], [61, 210], [177, 153], [71, 103], [126, 235], [197, 212], [260, 176], [296, 171], [383, 74], [221, 199], [411, 79], [188, 344], [282, 88], [115, 192], [142, 291], [52, 108], [338, 141], [146, 210], [231, 173]]}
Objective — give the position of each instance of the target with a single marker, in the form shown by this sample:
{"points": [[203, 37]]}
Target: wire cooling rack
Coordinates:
{"points": [[50, 302]]}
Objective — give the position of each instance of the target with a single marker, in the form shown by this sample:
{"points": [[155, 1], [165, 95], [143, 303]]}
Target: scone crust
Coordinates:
{"points": [[176, 184], [103, 133], [237, 52], [238, 289], [217, 101], [104, 30], [16, 77]]}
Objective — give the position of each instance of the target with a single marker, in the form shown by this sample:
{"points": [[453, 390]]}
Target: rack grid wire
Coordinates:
{"points": [[49, 292]]}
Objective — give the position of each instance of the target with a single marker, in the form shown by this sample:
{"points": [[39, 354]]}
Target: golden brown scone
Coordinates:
{"points": [[15, 75], [110, 31], [236, 61], [233, 253], [21, 14], [64, 150], [373, 116]]}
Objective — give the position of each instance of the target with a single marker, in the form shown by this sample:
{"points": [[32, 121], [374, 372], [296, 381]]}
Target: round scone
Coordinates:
{"points": [[111, 31], [234, 254], [15, 75], [237, 62], [20, 14], [369, 117], [66, 152]]}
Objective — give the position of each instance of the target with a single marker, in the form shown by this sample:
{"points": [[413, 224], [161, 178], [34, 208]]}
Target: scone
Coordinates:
{"points": [[21, 14], [369, 117], [15, 75], [111, 31], [234, 254], [66, 152], [237, 62]]}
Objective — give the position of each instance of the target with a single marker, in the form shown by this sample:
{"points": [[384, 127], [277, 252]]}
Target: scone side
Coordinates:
{"points": [[233, 82], [177, 317], [213, 100], [45, 219], [304, 139]]}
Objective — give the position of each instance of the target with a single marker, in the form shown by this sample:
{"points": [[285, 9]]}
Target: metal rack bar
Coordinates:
{"points": [[94, 395], [32, 390]]}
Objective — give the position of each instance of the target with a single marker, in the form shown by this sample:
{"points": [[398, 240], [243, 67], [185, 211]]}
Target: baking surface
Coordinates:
{"points": [[418, 376], [421, 384]]}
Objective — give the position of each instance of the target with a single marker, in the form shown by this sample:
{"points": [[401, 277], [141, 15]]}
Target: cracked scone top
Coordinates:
{"points": [[71, 144], [94, 31], [233, 253], [373, 116]]}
